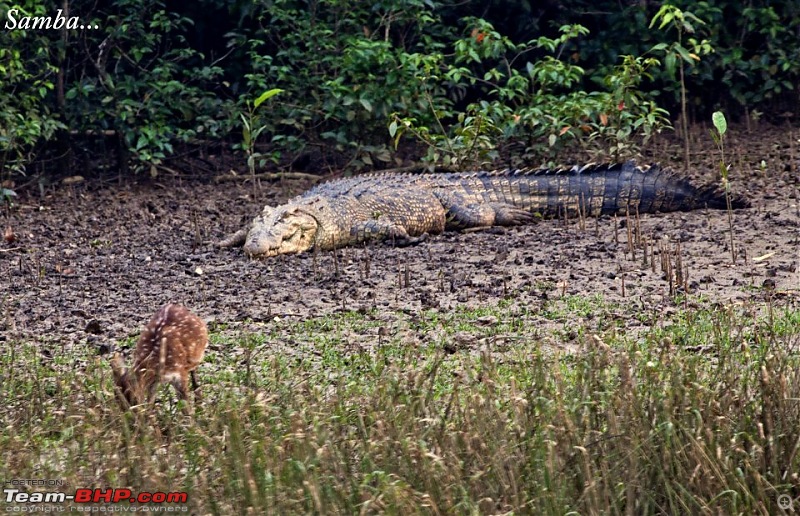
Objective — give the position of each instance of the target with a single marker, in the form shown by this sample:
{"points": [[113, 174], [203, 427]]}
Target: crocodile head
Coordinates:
{"points": [[284, 230]]}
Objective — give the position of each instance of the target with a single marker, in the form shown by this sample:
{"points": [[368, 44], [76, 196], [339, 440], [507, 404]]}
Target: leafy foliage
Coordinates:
{"points": [[149, 86], [538, 102], [28, 72], [345, 67], [756, 53], [462, 79]]}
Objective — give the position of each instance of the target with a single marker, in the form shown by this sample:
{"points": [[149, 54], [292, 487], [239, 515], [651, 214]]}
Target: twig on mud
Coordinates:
{"points": [[271, 176]]}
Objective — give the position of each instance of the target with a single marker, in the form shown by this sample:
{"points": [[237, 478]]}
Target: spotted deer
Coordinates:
{"points": [[169, 350]]}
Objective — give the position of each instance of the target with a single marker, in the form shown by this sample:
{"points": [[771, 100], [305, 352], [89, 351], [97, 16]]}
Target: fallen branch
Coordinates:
{"points": [[270, 177]]}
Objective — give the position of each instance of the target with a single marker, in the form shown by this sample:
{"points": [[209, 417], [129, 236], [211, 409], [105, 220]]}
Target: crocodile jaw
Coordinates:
{"points": [[285, 230]]}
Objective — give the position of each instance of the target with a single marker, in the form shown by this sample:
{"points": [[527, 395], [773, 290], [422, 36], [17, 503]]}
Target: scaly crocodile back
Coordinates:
{"points": [[598, 190]]}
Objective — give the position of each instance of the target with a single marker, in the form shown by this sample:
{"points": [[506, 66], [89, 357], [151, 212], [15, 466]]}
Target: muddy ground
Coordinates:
{"points": [[90, 262]]}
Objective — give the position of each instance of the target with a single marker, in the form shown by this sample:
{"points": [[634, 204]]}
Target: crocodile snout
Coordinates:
{"points": [[260, 245]]}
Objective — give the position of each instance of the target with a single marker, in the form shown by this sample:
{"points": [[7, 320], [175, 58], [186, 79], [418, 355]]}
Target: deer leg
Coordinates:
{"points": [[195, 387], [181, 384], [152, 390]]}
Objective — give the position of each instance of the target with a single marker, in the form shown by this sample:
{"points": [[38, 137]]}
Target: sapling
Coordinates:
{"points": [[718, 118], [676, 53], [250, 133]]}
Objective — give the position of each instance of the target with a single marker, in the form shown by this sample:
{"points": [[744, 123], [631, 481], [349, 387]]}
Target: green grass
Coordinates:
{"points": [[463, 412]]}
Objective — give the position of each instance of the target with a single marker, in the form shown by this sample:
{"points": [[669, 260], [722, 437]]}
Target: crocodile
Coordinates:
{"points": [[404, 208]]}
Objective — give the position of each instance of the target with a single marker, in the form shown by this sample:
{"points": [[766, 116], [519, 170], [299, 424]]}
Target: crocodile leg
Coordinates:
{"points": [[509, 215], [462, 214], [235, 240], [384, 229]]}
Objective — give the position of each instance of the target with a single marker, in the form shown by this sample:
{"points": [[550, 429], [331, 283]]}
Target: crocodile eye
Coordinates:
{"points": [[291, 231]]}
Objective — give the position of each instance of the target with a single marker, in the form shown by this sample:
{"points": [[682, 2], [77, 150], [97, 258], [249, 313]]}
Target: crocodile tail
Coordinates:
{"points": [[603, 189], [625, 187], [713, 196], [662, 190]]}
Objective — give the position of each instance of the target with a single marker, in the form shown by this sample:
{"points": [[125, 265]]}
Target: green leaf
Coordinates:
{"points": [[718, 118], [393, 129], [659, 14], [258, 132], [367, 105], [265, 96], [685, 55], [246, 137], [669, 63], [693, 18], [666, 20]]}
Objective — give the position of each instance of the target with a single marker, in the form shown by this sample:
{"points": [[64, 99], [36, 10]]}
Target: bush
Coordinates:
{"points": [[532, 96], [29, 74], [156, 77], [140, 79], [756, 52], [345, 67]]}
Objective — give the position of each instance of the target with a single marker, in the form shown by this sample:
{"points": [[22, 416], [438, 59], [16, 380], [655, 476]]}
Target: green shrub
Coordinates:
{"points": [[756, 51], [345, 67], [538, 101], [146, 84], [449, 74], [28, 78]]}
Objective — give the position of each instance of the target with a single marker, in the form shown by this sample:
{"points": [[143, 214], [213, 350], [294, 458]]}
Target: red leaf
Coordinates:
{"points": [[478, 35]]}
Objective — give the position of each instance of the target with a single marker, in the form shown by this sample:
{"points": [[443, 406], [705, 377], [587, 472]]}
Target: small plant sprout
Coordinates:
{"points": [[721, 125], [251, 131], [6, 196]]}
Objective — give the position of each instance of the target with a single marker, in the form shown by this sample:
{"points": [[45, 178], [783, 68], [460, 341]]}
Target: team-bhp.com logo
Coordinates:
{"points": [[95, 496]]}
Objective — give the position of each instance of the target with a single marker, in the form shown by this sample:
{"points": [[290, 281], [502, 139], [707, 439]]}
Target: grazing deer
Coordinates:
{"points": [[169, 349]]}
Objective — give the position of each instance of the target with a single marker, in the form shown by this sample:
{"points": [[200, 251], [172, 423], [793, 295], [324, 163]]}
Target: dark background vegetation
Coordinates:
{"points": [[365, 84]]}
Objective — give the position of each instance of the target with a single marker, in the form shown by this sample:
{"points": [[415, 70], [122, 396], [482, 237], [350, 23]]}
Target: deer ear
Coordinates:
{"points": [[117, 365], [121, 385]]}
